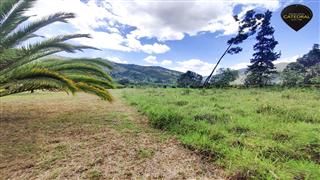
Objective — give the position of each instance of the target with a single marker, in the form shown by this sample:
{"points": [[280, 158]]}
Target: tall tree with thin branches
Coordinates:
{"points": [[262, 68], [247, 27], [24, 68]]}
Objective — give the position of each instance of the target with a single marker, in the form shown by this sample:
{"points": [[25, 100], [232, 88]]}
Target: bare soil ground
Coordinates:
{"points": [[56, 136]]}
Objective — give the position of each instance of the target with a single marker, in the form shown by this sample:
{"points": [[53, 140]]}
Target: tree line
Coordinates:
{"points": [[304, 72]]}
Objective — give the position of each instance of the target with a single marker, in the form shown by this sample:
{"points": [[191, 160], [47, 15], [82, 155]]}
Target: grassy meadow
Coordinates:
{"points": [[251, 133], [52, 135]]}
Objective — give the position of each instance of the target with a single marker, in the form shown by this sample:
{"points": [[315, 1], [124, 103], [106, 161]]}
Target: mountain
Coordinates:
{"points": [[136, 74], [156, 75], [140, 75], [242, 73]]}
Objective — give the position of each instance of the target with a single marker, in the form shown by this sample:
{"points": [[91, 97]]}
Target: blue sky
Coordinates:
{"points": [[179, 35]]}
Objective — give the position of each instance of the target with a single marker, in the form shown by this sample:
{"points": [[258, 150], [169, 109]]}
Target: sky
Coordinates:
{"points": [[179, 35]]}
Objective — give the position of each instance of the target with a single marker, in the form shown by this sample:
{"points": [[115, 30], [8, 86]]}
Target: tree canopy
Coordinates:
{"points": [[189, 79], [305, 71]]}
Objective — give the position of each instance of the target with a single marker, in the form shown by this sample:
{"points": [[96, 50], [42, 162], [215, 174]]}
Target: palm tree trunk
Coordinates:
{"points": [[206, 82]]}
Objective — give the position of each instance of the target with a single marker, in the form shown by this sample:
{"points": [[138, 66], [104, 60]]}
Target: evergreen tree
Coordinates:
{"points": [[247, 27], [262, 68], [189, 79]]}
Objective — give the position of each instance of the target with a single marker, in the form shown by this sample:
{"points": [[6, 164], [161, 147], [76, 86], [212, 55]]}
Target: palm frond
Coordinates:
{"points": [[5, 7], [8, 56], [57, 44], [44, 48], [21, 69], [85, 66], [97, 61], [10, 19], [23, 34], [34, 73], [96, 90], [42, 54], [90, 80], [31, 84]]}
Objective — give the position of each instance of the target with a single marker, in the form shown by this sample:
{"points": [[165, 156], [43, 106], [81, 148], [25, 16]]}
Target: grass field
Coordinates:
{"points": [[251, 133], [47, 135]]}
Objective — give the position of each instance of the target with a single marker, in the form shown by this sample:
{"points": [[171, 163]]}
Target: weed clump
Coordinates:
{"points": [[95, 175], [186, 91], [240, 130], [216, 136], [181, 103], [145, 153], [281, 137], [312, 151], [165, 120], [212, 118]]}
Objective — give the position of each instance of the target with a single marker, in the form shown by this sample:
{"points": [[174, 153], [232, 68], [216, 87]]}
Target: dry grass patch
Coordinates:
{"points": [[56, 136]]}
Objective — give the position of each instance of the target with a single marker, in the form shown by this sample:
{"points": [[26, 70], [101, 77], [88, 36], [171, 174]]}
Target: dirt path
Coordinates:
{"points": [[55, 136]]}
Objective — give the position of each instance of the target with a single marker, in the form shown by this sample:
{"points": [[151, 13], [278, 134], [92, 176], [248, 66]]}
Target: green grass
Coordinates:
{"points": [[251, 133], [95, 175], [145, 153]]}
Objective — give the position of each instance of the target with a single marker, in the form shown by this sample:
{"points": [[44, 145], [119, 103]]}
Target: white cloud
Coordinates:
{"points": [[196, 65], [155, 48], [106, 20], [117, 60], [240, 65], [287, 59], [268, 4], [96, 20], [166, 62], [171, 20], [151, 59], [102, 40]]}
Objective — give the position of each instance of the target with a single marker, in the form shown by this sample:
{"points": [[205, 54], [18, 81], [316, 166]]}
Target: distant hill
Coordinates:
{"points": [[242, 73], [144, 74], [156, 75]]}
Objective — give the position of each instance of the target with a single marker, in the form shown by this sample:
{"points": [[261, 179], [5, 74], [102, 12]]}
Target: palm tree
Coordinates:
{"points": [[25, 68]]}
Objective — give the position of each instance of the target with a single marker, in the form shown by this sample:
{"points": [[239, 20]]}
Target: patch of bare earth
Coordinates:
{"points": [[56, 136]]}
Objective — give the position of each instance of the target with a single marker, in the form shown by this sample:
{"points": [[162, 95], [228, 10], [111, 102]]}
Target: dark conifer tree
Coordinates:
{"points": [[262, 68], [247, 27]]}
